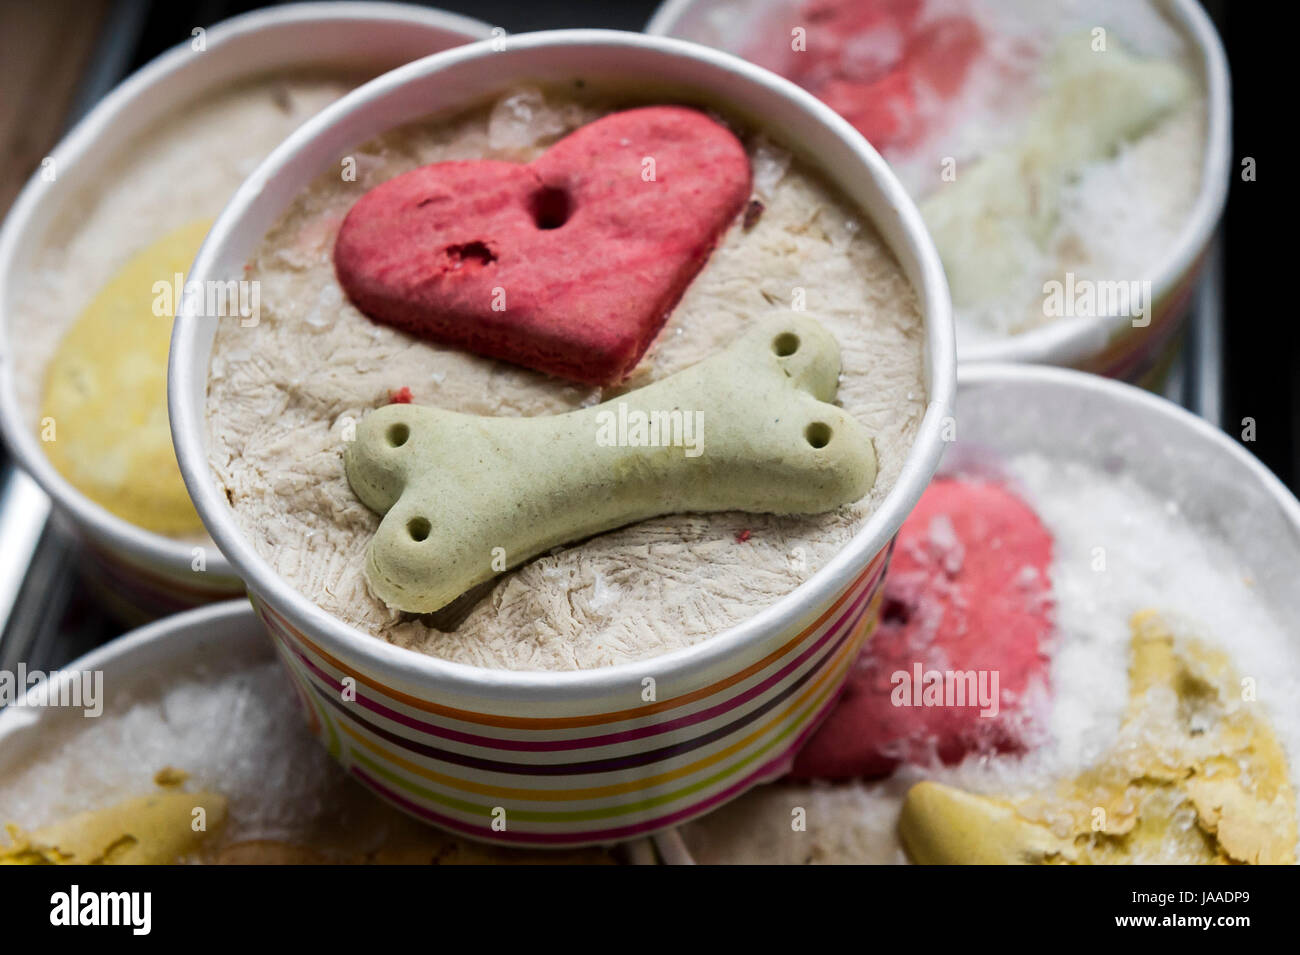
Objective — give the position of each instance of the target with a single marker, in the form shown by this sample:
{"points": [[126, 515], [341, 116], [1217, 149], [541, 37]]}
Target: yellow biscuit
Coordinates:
{"points": [[105, 402], [1197, 776], [149, 830]]}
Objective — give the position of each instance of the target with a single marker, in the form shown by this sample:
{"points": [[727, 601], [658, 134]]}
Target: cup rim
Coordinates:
{"points": [[196, 623], [1081, 339], [148, 546], [1178, 416], [188, 417]]}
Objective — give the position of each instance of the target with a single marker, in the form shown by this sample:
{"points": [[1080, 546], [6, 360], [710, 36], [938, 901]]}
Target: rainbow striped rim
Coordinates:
{"points": [[588, 778]]}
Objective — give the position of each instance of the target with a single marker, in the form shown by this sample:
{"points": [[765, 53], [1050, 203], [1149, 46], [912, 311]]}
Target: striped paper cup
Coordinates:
{"points": [[141, 574], [571, 758], [1109, 346]]}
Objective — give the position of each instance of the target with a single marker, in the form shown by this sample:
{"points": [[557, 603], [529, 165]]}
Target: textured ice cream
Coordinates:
{"points": [[285, 396]]}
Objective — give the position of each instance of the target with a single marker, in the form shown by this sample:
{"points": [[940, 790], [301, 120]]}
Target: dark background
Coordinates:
{"points": [[1261, 347]]}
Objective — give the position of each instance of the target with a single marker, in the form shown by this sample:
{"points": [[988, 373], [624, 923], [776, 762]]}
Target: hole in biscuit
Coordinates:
{"points": [[398, 434], [785, 344], [550, 207], [476, 252], [818, 434], [419, 528]]}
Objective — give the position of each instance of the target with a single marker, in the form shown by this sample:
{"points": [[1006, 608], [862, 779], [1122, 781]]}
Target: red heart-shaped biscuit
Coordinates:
{"points": [[887, 66], [968, 590], [569, 264]]}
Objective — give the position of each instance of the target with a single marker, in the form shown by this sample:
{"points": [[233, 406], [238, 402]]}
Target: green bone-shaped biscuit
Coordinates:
{"points": [[454, 487], [1001, 213]]}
